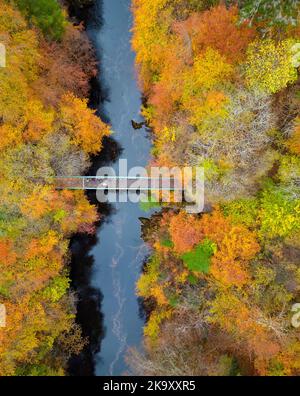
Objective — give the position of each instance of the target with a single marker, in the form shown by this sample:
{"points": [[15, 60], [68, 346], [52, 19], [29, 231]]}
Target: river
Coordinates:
{"points": [[107, 266]]}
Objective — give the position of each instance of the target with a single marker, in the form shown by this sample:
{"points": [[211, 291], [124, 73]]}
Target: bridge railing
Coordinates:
{"points": [[114, 183]]}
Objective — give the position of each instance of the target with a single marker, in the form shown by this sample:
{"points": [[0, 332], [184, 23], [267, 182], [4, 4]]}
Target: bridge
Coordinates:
{"points": [[117, 183]]}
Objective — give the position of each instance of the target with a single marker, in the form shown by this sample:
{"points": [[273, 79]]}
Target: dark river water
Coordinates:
{"points": [[106, 266]]}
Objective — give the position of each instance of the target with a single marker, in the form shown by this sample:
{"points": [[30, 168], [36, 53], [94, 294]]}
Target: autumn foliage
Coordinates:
{"points": [[222, 93], [85, 128], [46, 129], [217, 28]]}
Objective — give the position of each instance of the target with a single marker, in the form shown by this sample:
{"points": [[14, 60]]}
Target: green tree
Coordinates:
{"points": [[198, 260], [46, 14], [270, 12]]}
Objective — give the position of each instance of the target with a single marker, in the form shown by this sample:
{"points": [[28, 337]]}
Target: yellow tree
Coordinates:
{"points": [[82, 124], [269, 66]]}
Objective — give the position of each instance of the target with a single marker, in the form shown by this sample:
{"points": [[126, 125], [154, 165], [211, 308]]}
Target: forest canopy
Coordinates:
{"points": [[47, 130], [222, 92], [222, 86]]}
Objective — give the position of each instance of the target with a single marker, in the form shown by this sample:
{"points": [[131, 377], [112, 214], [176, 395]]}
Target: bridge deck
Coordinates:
{"points": [[117, 183]]}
